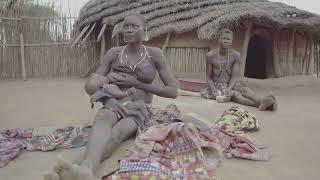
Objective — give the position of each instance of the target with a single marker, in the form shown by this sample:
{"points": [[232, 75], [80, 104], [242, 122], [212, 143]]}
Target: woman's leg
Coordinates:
{"points": [[100, 137], [243, 100], [121, 131]]}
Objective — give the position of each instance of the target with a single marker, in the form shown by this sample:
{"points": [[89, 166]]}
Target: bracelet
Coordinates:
{"points": [[104, 85]]}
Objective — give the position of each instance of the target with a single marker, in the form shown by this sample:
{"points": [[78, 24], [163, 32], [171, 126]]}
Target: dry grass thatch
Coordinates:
{"points": [[207, 17]]}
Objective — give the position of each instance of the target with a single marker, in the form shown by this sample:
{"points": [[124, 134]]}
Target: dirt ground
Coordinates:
{"points": [[292, 132]]}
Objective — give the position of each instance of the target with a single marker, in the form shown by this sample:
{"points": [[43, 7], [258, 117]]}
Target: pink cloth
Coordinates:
{"points": [[170, 150], [179, 150], [235, 144], [12, 142]]}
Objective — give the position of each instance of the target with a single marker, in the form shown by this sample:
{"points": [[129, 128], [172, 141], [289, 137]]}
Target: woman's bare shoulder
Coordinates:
{"points": [[156, 54]]}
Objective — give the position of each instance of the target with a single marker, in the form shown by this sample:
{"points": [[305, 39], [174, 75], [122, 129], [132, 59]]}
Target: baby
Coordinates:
{"points": [[126, 97]]}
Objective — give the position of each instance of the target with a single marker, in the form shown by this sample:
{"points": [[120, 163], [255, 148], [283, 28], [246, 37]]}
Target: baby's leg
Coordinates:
{"points": [[138, 106]]}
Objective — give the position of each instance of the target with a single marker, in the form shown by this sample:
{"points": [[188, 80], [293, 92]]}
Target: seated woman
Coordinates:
{"points": [[112, 124], [223, 66]]}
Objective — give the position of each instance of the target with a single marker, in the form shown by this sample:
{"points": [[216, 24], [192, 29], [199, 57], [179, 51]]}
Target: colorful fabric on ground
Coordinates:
{"points": [[12, 142], [237, 119], [236, 144], [69, 137], [168, 114], [177, 151]]}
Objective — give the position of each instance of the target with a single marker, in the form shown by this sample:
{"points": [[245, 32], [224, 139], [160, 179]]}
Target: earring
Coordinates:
{"points": [[146, 38]]}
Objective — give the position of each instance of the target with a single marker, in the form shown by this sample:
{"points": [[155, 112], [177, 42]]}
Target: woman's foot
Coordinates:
{"points": [[64, 170], [269, 102]]}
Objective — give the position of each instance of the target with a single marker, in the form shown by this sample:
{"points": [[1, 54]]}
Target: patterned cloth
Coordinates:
{"points": [[169, 151], [168, 114], [178, 151], [69, 137], [236, 144], [12, 142], [237, 119]]}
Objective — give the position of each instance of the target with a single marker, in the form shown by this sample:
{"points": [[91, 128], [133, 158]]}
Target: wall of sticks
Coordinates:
{"points": [[317, 58], [46, 50], [186, 61], [304, 51]]}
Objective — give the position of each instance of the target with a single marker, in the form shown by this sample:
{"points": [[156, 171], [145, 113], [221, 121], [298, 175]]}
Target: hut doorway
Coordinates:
{"points": [[257, 55]]}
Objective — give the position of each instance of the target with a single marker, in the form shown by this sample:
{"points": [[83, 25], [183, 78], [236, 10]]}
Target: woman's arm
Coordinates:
{"points": [[169, 89], [209, 72]]}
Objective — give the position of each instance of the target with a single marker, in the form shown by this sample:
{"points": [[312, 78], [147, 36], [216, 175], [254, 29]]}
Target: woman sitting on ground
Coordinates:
{"points": [[132, 69]]}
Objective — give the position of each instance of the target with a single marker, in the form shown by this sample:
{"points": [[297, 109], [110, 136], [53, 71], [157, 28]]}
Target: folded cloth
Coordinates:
{"points": [[177, 150], [237, 119]]}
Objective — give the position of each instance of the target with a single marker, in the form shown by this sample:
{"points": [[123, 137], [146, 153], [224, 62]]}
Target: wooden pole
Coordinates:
{"points": [[165, 44], [290, 52], [23, 64], [245, 48], [103, 46], [101, 32], [88, 34], [84, 30]]}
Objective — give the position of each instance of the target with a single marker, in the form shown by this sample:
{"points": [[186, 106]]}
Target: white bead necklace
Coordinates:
{"points": [[141, 55], [220, 64]]}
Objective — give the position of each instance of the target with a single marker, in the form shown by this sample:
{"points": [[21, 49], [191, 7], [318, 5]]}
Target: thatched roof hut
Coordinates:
{"points": [[287, 35]]}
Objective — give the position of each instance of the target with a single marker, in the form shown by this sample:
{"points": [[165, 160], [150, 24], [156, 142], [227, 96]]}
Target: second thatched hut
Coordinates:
{"points": [[274, 39]]}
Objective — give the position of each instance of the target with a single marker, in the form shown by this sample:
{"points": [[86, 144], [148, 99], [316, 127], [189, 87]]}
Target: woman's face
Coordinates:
{"points": [[225, 40], [132, 30]]}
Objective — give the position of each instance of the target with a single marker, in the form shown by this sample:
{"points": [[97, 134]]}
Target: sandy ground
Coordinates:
{"points": [[292, 132]]}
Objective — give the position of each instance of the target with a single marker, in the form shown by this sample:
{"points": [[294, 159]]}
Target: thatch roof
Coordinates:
{"points": [[206, 17]]}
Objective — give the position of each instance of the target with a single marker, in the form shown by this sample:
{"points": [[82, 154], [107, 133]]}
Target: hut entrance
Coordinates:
{"points": [[256, 63]]}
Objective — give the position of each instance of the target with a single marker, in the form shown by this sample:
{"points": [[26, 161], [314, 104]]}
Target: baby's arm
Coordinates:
{"points": [[115, 91]]}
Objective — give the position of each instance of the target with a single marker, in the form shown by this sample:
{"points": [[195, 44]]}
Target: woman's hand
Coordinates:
{"points": [[126, 80], [112, 77]]}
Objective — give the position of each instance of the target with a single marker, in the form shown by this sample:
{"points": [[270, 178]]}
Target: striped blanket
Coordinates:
{"points": [[178, 151], [14, 141]]}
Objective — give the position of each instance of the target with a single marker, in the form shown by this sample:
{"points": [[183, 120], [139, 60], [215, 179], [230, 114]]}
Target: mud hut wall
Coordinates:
{"points": [[300, 53], [185, 53], [317, 57]]}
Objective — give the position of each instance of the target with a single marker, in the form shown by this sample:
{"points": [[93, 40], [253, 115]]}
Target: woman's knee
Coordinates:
{"points": [[123, 130], [236, 96], [116, 135], [105, 115]]}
